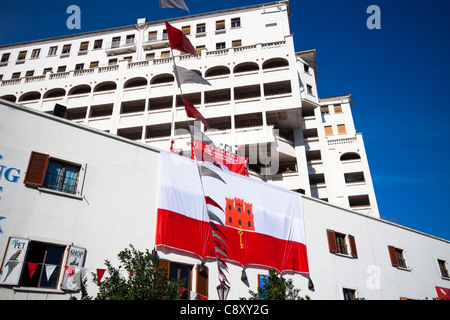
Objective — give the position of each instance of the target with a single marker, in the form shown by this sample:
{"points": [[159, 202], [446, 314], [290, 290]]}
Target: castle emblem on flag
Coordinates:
{"points": [[239, 214]]}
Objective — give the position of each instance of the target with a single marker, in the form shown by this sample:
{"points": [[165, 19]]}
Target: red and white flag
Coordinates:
{"points": [[178, 41], [236, 218], [192, 112]]}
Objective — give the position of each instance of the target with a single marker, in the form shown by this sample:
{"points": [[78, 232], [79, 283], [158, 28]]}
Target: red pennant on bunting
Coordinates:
{"points": [[70, 270], [100, 273], [32, 268], [178, 41], [192, 112]]}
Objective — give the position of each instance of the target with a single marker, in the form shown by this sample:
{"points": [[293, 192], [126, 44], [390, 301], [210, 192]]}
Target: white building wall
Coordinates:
{"points": [[117, 207]]}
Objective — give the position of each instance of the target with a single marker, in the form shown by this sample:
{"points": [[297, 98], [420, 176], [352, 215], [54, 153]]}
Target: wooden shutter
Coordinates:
{"points": [[341, 128], [393, 255], [202, 283], [328, 130], [37, 166], [164, 264], [353, 251], [332, 241]]}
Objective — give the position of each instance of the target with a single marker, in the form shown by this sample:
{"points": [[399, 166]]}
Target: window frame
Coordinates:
{"points": [[346, 247], [235, 23], [53, 51], [397, 256], [37, 171], [443, 269]]}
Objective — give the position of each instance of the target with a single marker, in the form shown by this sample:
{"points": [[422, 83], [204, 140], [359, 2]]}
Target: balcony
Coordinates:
{"points": [[154, 42], [119, 47]]}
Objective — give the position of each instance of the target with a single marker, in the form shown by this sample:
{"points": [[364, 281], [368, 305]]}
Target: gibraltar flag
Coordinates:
{"points": [[202, 209]]}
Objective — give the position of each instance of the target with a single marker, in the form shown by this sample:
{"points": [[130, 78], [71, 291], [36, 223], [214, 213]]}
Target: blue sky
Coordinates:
{"points": [[398, 77]]}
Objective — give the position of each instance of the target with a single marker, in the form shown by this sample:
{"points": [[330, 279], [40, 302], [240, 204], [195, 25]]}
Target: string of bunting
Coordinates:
{"points": [[83, 272]]}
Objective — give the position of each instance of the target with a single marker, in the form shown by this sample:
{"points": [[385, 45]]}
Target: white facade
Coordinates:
{"points": [[115, 204], [263, 95]]}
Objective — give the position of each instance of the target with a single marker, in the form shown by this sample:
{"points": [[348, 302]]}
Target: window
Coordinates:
{"points": [[165, 54], [220, 46], [98, 44], [94, 64], [84, 46], [41, 254], [341, 128], [152, 35], [324, 110], [201, 28], [130, 39], [354, 177], [53, 174], [236, 43], [235, 22], [165, 35], [22, 55], [179, 271], [66, 49], [200, 48], [397, 257], [47, 70], [220, 25], [328, 130], [15, 75], [150, 56], [61, 69], [115, 42], [112, 62], [337, 243], [349, 294], [443, 268], [5, 57], [337, 108], [309, 89], [52, 51], [29, 73], [79, 66], [306, 68], [186, 30]]}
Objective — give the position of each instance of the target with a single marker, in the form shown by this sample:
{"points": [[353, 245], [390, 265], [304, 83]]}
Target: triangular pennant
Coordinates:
{"points": [[84, 273], [213, 203], [178, 41], [203, 297], [32, 268], [173, 4], [192, 295], [49, 269], [206, 172], [100, 273], [70, 270], [185, 76], [192, 112]]}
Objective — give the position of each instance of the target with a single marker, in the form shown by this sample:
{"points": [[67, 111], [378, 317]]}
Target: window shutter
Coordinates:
{"points": [[353, 250], [202, 283], [37, 166], [332, 241], [393, 255], [164, 264]]}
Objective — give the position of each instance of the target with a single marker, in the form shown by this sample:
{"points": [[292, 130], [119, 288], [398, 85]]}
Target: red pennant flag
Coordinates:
{"points": [[192, 112], [32, 268], [100, 273], [178, 41], [203, 297], [70, 270]]}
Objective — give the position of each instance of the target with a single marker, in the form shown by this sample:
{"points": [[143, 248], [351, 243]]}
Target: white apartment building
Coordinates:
{"points": [[263, 97]]}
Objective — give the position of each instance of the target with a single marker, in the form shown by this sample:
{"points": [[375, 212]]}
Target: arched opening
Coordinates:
{"points": [[246, 67], [135, 82], [275, 63], [29, 96], [9, 97], [81, 89], [217, 71], [55, 93], [105, 86], [163, 78], [350, 156]]}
